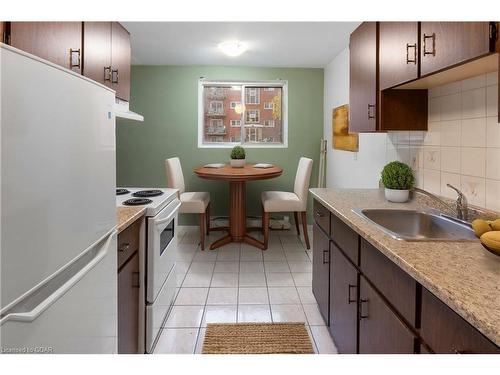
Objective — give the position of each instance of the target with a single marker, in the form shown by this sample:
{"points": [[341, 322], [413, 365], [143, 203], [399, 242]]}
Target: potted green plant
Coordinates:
{"points": [[398, 180], [238, 157]]}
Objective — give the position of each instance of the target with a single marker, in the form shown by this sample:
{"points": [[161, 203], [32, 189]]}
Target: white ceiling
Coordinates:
{"points": [[279, 44]]}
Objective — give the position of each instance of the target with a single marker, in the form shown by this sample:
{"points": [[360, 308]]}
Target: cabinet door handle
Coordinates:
{"points": [[319, 214], [124, 247], [114, 76], [327, 252], [74, 58], [433, 37], [136, 280], [362, 302], [414, 58], [107, 73], [370, 113], [349, 299]]}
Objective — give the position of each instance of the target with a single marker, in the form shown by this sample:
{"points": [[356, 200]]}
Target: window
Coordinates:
{"points": [[216, 108], [254, 135], [252, 95], [253, 114]]}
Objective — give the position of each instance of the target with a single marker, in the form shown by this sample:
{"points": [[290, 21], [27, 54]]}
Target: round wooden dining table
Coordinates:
{"points": [[237, 178]]}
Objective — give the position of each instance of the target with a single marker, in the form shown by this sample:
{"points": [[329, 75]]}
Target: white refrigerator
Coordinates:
{"points": [[58, 213]]}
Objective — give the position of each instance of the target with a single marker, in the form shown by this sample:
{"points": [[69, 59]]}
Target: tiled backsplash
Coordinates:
{"points": [[462, 144]]}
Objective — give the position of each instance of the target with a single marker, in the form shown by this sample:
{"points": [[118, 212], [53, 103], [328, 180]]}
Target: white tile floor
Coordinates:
{"points": [[240, 283]]}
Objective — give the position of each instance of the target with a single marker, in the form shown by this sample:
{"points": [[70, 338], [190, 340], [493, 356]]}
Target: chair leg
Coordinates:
{"points": [[296, 217], [304, 228], [262, 225], [265, 224], [207, 213], [203, 221]]}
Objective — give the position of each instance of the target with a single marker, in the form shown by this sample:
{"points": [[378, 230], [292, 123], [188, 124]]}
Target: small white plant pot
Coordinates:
{"points": [[397, 196], [238, 163]]}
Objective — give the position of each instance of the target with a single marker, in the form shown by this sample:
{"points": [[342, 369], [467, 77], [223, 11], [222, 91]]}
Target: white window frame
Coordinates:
{"points": [[235, 126], [268, 105], [268, 88], [283, 84], [270, 122]]}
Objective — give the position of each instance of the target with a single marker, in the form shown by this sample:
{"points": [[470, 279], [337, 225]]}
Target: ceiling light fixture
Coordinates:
{"points": [[232, 48]]}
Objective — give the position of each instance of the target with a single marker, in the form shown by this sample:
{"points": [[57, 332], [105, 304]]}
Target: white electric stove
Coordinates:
{"points": [[162, 208], [154, 199]]}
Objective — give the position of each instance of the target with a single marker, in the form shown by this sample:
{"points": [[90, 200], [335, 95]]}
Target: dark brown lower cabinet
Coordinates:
{"points": [[343, 302], [128, 306], [321, 270], [380, 330], [448, 333]]}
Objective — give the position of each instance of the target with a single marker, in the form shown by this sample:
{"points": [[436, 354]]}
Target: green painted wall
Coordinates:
{"points": [[167, 97]]}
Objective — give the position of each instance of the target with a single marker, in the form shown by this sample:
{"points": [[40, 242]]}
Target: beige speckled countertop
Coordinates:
{"points": [[462, 274], [127, 215]]}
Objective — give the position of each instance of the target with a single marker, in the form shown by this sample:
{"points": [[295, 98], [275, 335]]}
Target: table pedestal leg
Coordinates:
{"points": [[237, 218], [237, 210]]}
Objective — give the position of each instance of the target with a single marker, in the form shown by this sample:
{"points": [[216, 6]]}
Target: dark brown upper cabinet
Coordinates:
{"points": [[363, 78], [97, 51], [120, 61], [398, 53], [58, 42], [444, 44], [3, 32]]}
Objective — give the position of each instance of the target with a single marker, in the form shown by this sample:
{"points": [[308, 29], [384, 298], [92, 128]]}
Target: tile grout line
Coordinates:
{"points": [[205, 306]]}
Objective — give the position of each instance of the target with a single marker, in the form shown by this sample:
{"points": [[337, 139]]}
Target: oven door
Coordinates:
{"points": [[161, 248]]}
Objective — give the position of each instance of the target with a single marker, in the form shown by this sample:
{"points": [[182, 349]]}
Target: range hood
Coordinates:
{"points": [[122, 110]]}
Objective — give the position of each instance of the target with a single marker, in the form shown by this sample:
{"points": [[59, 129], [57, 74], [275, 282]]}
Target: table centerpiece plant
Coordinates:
{"points": [[238, 157]]}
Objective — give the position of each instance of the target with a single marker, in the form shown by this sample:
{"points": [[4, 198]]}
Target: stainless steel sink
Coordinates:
{"points": [[412, 225]]}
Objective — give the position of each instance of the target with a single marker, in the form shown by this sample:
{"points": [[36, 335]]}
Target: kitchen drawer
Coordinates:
{"points": [[390, 280], [128, 242], [322, 216], [446, 332], [345, 238]]}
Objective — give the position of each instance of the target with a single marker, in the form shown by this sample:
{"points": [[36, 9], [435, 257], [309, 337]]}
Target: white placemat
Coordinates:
{"points": [[214, 165], [263, 165]]}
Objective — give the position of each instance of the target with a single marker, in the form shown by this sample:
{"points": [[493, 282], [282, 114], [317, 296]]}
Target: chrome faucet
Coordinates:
{"points": [[460, 210], [462, 207]]}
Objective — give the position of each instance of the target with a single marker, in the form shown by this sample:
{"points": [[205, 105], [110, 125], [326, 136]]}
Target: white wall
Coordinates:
{"points": [[462, 144], [349, 169]]}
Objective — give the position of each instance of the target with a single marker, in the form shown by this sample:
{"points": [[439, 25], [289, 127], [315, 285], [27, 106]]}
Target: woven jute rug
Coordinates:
{"points": [[257, 338]]}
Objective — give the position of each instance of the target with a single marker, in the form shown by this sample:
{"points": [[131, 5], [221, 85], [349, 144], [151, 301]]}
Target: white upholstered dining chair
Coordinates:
{"points": [[191, 202], [296, 201]]}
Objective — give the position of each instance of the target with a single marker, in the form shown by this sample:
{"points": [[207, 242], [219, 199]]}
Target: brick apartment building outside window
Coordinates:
{"points": [[253, 114]]}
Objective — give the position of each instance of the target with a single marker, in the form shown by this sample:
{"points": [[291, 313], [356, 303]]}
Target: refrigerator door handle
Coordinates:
{"points": [[33, 303]]}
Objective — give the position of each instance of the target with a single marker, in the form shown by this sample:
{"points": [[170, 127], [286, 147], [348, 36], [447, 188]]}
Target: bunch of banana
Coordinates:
{"points": [[489, 234]]}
